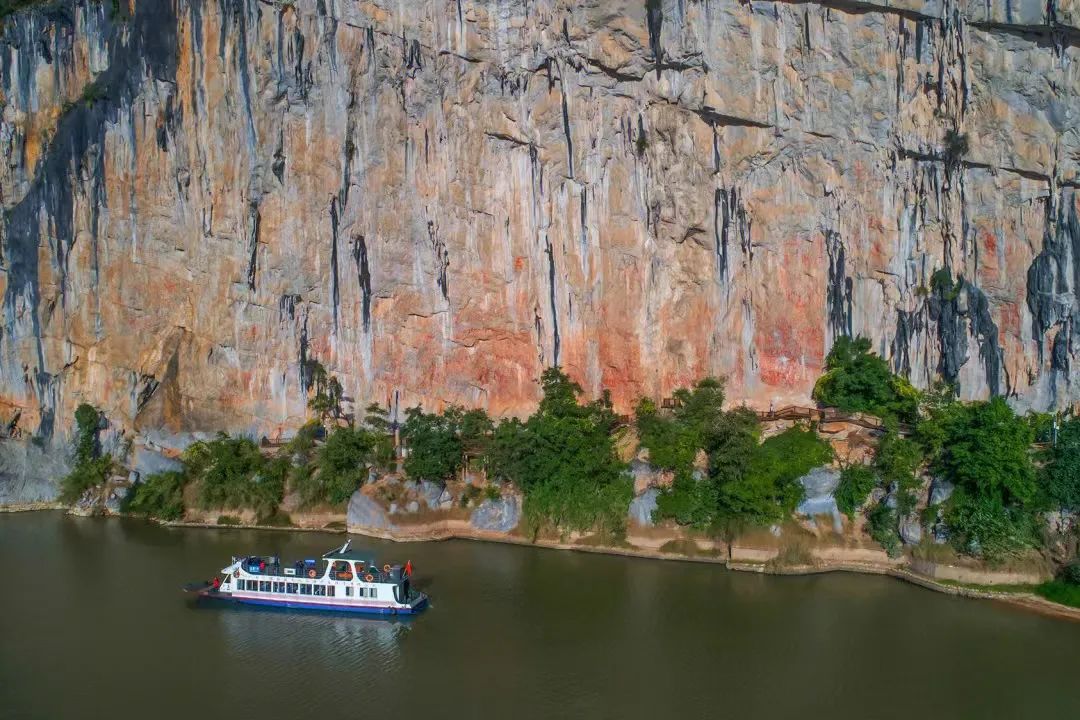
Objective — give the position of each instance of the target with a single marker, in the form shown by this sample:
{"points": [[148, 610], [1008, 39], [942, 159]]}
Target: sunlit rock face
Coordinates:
{"points": [[436, 199]]}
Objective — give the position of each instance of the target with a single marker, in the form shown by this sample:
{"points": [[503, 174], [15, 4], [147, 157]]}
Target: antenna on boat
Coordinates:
{"points": [[346, 545]]}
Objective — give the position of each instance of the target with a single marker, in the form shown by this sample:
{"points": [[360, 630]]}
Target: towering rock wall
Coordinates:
{"points": [[435, 199]]}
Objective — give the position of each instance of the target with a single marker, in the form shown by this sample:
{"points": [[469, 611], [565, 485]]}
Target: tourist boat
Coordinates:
{"points": [[342, 580]]}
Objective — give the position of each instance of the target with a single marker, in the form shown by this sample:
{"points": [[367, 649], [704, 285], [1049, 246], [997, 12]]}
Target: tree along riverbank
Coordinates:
{"points": [[893, 476]]}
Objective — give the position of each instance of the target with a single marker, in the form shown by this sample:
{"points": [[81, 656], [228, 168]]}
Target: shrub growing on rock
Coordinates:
{"points": [[91, 468], [160, 495], [856, 482], [232, 473], [881, 523]]}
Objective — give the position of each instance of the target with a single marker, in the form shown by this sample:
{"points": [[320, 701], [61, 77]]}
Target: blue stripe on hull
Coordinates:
{"points": [[326, 607]]}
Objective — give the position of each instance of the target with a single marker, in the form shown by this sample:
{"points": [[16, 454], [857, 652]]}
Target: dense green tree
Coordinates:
{"points": [[232, 473], [563, 458], [769, 490], [377, 422], [435, 450], [698, 423], [857, 380], [343, 462], [856, 482], [897, 462], [160, 496], [1059, 478], [984, 449]]}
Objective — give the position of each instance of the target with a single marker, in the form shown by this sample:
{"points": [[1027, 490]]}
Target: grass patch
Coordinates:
{"points": [[1061, 592], [1016, 588]]}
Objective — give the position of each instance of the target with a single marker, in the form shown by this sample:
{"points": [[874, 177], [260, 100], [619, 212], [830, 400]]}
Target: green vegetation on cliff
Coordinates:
{"points": [[231, 473], [857, 380], [441, 443], [160, 495], [91, 467], [770, 489]]}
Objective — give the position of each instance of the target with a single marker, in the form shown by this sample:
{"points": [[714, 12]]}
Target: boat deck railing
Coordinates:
{"points": [[278, 571]]}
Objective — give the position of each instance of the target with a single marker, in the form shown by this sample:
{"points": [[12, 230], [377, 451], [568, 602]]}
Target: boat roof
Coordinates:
{"points": [[348, 555]]}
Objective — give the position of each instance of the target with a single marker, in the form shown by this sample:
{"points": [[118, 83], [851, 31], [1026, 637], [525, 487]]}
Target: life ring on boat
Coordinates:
{"points": [[386, 568], [311, 574], [369, 577], [236, 573]]}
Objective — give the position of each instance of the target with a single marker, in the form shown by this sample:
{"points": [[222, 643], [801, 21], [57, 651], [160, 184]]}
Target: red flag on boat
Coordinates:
{"points": [[408, 568]]}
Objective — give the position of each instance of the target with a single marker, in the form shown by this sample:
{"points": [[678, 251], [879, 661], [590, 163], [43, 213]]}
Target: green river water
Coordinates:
{"points": [[93, 625]]}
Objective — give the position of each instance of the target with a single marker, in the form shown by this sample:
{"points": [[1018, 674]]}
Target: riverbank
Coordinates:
{"points": [[981, 585]]}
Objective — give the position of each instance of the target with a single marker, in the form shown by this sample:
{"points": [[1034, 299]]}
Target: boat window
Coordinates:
{"points": [[330, 591], [264, 586], [279, 587], [290, 588], [320, 590], [305, 589], [348, 591]]}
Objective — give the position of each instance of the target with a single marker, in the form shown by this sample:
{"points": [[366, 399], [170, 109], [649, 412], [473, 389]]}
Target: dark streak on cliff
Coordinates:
{"points": [[335, 292], [554, 305], [254, 230], [442, 260], [838, 292], [363, 275], [144, 44]]}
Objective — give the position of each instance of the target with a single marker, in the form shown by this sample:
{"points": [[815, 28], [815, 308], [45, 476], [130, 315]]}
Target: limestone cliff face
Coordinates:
{"points": [[438, 198]]}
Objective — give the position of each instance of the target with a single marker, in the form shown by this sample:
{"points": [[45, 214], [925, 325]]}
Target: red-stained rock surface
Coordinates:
{"points": [[437, 199]]}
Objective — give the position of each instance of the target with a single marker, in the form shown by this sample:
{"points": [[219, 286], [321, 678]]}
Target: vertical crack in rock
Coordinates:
{"points": [[335, 292], [654, 19], [839, 288], [307, 376], [584, 220], [254, 226], [363, 275], [140, 46], [442, 260], [566, 127], [554, 304]]}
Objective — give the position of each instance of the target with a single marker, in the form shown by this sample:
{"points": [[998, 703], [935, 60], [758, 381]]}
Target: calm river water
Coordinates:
{"points": [[93, 625]]}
